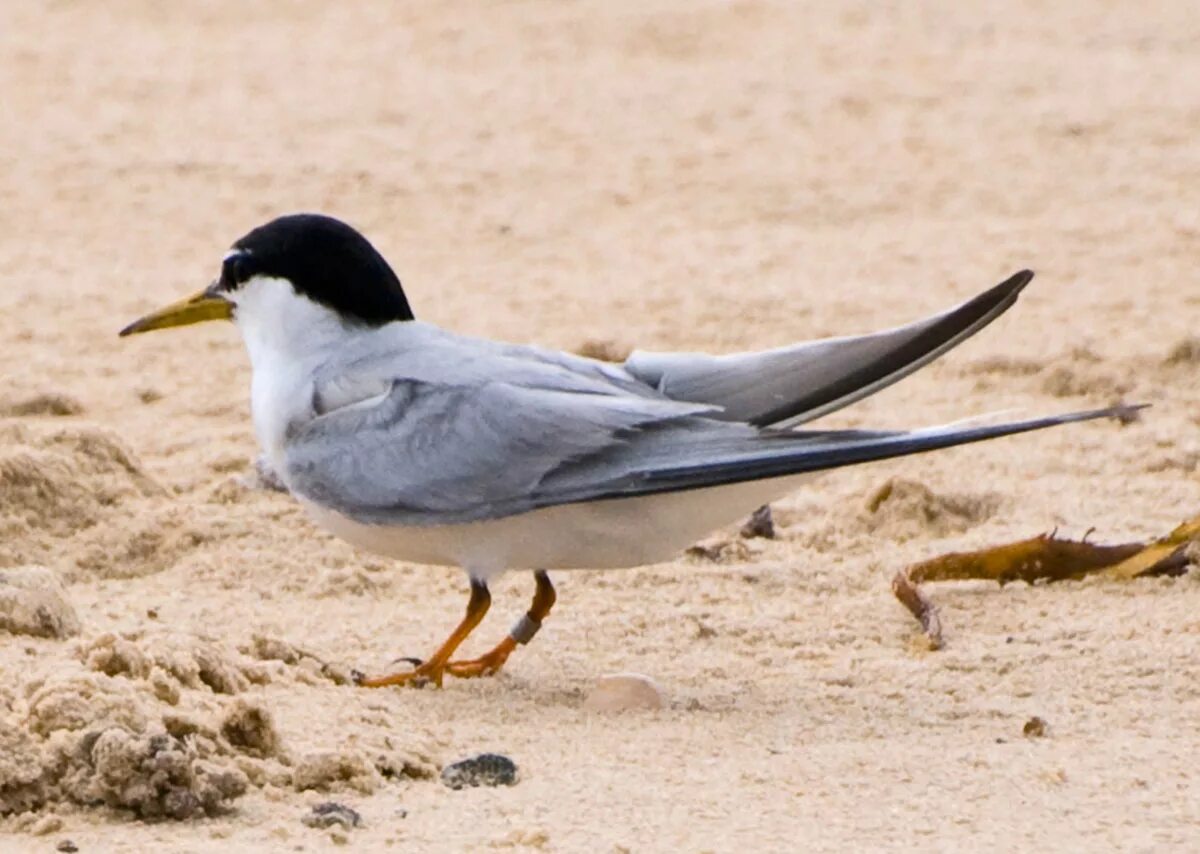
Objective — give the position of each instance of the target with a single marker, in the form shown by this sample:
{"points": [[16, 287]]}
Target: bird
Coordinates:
{"points": [[413, 442]]}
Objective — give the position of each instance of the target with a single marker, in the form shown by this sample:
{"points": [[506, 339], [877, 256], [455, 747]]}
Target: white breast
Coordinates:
{"points": [[287, 337]]}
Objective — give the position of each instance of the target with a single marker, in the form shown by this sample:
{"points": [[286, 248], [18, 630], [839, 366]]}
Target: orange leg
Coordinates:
{"points": [[522, 633], [432, 670]]}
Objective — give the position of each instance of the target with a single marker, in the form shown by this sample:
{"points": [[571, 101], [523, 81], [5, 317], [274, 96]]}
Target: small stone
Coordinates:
{"points": [[66, 845], [624, 692], [486, 769], [331, 814], [1035, 727], [760, 524]]}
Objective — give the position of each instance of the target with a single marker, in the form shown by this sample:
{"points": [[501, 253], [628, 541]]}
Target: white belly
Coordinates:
{"points": [[610, 534]]}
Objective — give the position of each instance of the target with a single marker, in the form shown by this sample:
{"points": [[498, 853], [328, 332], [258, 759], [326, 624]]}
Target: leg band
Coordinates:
{"points": [[524, 629]]}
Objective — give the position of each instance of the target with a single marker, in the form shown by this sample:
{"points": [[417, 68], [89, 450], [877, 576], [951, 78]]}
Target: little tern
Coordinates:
{"points": [[413, 442]]}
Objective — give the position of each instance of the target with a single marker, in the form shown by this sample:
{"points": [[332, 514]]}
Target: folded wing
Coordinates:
{"points": [[438, 453], [431, 453], [794, 384]]}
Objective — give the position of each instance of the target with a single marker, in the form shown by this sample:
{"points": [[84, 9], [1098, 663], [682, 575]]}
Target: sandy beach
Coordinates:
{"points": [[712, 176]]}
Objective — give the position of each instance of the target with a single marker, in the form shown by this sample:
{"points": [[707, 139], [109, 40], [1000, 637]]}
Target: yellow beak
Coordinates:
{"points": [[206, 305]]}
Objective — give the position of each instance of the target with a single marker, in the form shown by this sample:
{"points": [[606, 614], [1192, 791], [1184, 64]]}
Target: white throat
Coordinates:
{"points": [[287, 337], [279, 324]]}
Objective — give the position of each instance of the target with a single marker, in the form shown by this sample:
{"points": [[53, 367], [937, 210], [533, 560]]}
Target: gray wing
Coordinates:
{"points": [[791, 385], [437, 453], [428, 428], [431, 453]]}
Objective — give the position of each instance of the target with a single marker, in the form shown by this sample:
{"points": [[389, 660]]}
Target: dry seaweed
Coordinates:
{"points": [[1042, 558]]}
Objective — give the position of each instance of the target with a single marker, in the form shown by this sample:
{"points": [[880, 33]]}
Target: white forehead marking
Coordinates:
{"points": [[233, 253]]}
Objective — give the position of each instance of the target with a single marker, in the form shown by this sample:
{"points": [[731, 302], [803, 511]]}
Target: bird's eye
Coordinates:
{"points": [[237, 268]]}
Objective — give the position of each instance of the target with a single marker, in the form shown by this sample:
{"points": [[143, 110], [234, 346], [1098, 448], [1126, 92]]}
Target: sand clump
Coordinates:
{"points": [[62, 481], [329, 770], [77, 500], [304, 666], [170, 726], [358, 770], [1077, 373], [162, 727], [58, 487], [1067, 381], [93, 740], [251, 728], [107, 735], [1184, 352], [42, 404], [192, 663], [34, 602], [904, 509], [897, 510], [153, 774]]}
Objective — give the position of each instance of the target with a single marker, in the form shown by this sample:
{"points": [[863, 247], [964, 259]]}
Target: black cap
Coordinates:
{"points": [[327, 261]]}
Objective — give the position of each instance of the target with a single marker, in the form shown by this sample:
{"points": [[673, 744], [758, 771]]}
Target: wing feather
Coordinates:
{"points": [[794, 384]]}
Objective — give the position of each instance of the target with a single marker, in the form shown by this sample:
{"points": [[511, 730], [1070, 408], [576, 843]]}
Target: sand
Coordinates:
{"points": [[709, 176]]}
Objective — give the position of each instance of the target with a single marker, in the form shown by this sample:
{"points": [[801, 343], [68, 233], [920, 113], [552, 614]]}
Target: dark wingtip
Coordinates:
{"points": [[1017, 281], [1127, 413], [1004, 294]]}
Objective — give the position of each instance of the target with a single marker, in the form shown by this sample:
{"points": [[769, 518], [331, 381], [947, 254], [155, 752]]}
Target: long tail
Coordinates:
{"points": [[788, 453]]}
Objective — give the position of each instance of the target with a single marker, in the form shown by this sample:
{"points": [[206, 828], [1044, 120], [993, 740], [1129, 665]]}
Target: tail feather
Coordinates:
{"points": [[794, 454]]}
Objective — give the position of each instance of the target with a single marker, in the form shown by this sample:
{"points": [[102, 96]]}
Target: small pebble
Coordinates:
{"points": [[760, 524], [329, 814], [623, 692], [66, 845], [486, 769], [1035, 727]]}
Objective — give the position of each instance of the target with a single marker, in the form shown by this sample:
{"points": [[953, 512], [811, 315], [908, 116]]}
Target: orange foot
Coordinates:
{"points": [[488, 664], [432, 671], [427, 673]]}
